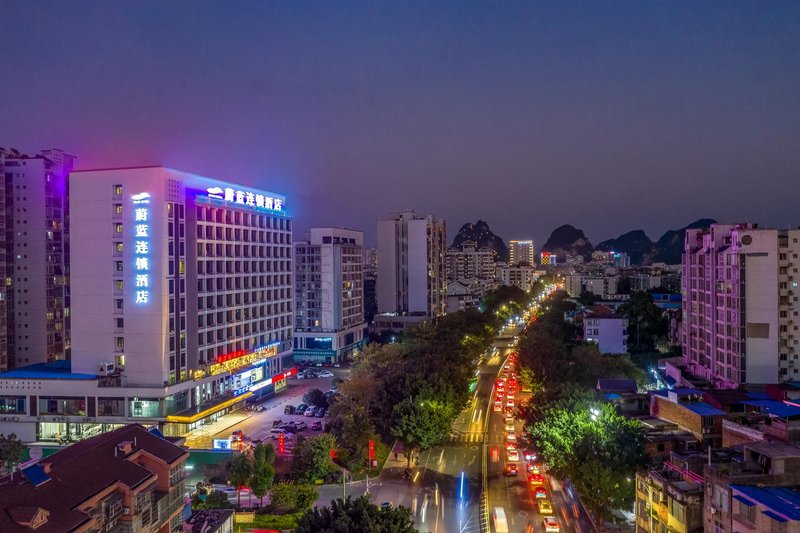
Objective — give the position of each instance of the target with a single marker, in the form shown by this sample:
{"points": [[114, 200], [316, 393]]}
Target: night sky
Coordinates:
{"points": [[607, 115]]}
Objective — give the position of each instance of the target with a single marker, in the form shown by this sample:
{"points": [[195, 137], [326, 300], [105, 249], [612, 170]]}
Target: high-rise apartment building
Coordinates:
{"points": [[411, 265], [182, 297], [521, 252], [519, 275], [740, 304], [329, 295], [34, 308], [467, 261], [371, 263]]}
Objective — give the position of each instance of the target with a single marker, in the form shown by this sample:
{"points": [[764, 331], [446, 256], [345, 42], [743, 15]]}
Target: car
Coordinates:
{"points": [[300, 424], [499, 519], [511, 436], [545, 507], [512, 455], [540, 492], [336, 365], [301, 408], [325, 374], [536, 479], [288, 410], [551, 525], [320, 412], [276, 432], [510, 403], [384, 505], [498, 406], [511, 469], [510, 395], [530, 455], [277, 422], [311, 411], [511, 445], [534, 468], [316, 425], [510, 425]]}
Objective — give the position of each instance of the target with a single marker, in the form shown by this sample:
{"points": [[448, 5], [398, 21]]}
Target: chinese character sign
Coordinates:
{"points": [[141, 248], [246, 198]]}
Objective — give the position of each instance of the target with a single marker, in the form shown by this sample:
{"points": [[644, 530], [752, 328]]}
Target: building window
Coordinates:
{"points": [[118, 190], [119, 341], [118, 209], [118, 247], [118, 227]]}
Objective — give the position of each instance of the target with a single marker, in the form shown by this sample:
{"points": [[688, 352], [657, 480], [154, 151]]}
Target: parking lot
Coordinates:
{"points": [[257, 425]]}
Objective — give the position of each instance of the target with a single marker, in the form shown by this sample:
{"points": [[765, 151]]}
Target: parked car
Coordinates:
{"points": [[288, 410], [320, 412], [277, 431], [316, 425], [311, 411], [325, 374], [277, 422], [301, 409], [300, 424]]}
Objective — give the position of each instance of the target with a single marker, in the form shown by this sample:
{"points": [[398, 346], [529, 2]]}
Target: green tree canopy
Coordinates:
{"points": [[11, 449], [422, 423], [240, 471], [263, 471], [316, 398], [312, 458], [356, 516]]}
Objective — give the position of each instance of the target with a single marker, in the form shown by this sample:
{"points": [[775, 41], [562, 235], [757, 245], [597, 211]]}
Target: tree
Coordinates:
{"points": [[316, 398], [312, 458], [215, 500], [592, 445], [356, 516], [587, 298], [11, 449], [263, 471], [422, 423], [240, 471], [350, 424], [282, 496], [305, 495], [646, 322]]}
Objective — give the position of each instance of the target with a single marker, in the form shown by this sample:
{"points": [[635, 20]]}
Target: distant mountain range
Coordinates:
{"points": [[568, 240], [483, 236]]}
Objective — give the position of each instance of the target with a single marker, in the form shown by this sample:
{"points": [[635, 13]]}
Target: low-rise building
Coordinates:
{"points": [[127, 480], [522, 275], [210, 521], [733, 504], [669, 498], [685, 408], [606, 328]]}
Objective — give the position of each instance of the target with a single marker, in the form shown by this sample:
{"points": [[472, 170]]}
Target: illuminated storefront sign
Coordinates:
{"points": [[234, 360], [246, 198], [141, 247], [274, 379]]}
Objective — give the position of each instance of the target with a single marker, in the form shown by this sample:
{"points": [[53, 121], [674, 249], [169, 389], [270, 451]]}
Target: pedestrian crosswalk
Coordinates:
{"points": [[473, 437]]}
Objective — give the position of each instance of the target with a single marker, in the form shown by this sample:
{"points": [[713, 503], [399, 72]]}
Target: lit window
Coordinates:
{"points": [[118, 227], [118, 190]]}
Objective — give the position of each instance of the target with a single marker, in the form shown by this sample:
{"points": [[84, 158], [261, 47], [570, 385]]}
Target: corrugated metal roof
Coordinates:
{"points": [[781, 500], [703, 409]]}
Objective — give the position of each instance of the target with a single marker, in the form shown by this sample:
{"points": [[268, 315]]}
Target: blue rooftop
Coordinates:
{"points": [[54, 370], [774, 407], [703, 409], [782, 500]]}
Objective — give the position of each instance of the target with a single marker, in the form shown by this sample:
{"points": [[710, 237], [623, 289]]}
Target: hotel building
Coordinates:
{"points": [[34, 298], [740, 304], [329, 295], [181, 304], [520, 252], [412, 279]]}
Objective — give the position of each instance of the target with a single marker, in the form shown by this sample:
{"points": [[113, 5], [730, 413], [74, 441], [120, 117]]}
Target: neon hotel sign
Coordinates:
{"points": [[246, 198]]}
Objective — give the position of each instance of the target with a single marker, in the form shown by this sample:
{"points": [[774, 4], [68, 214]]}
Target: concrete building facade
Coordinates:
{"points": [[412, 277], [329, 295], [521, 252], [182, 298], [35, 298], [740, 304]]}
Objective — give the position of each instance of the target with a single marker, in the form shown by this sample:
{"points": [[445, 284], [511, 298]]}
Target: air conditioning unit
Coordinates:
{"points": [[126, 510], [712, 510]]}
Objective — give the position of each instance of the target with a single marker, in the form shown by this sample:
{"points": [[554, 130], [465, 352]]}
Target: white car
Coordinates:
{"points": [[512, 455], [325, 374], [551, 525], [510, 425]]}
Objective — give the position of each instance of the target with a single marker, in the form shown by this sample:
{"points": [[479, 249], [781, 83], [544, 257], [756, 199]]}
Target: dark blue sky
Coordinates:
{"points": [[607, 115]]}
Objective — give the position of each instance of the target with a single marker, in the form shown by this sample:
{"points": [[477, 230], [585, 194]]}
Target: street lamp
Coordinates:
{"points": [[594, 413]]}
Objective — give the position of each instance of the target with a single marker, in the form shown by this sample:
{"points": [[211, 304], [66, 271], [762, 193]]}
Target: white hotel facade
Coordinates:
{"points": [[181, 307]]}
